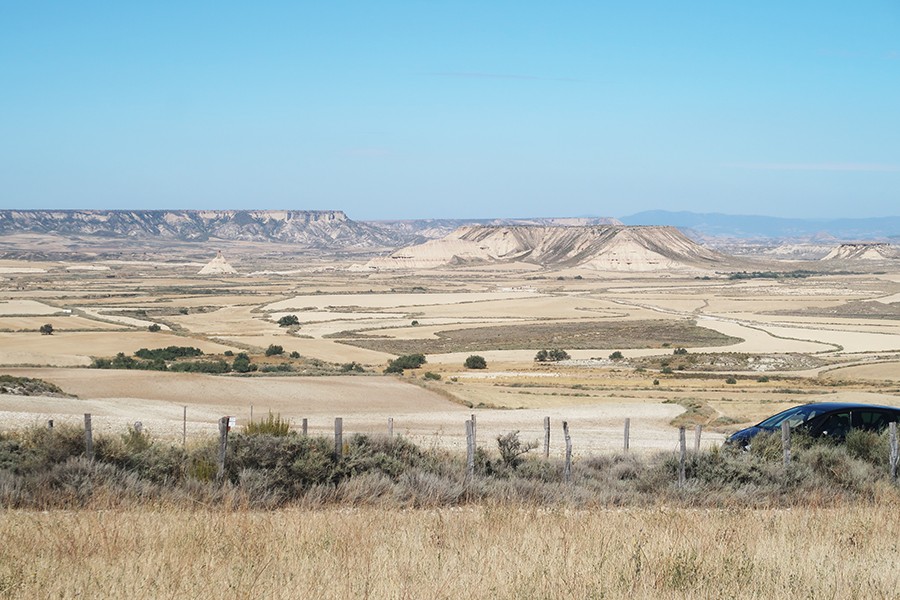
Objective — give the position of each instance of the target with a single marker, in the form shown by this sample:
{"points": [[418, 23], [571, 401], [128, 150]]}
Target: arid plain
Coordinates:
{"points": [[754, 345], [721, 346]]}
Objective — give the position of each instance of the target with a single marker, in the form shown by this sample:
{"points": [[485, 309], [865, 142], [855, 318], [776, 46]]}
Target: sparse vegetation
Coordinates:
{"points": [[273, 425], [431, 376], [28, 386], [578, 336]]}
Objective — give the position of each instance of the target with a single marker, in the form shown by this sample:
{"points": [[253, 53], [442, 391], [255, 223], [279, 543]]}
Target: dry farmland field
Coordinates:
{"points": [[662, 350]]}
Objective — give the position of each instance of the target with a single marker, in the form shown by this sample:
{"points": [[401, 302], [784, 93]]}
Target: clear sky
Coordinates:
{"points": [[391, 109]]}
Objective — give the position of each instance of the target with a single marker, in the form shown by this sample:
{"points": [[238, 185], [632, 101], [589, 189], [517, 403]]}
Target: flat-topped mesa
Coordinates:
{"points": [[312, 228], [862, 251], [598, 247]]}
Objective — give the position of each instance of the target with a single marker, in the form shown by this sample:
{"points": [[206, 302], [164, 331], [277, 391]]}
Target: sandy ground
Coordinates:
{"points": [[390, 301], [26, 308], [884, 371], [60, 323], [76, 348]]}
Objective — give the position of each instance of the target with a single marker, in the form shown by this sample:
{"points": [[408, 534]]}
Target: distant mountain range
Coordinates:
{"points": [[752, 226]]}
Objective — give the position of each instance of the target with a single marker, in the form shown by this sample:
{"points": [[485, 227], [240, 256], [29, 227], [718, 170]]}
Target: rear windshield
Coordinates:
{"points": [[794, 416]]}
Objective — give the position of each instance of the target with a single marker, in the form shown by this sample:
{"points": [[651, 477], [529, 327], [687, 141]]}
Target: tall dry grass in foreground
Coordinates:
{"points": [[479, 552]]}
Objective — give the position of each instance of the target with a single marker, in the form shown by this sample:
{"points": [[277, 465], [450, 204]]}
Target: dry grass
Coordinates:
{"points": [[480, 552]]}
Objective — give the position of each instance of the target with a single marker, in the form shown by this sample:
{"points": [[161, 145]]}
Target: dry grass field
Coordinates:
{"points": [[477, 552]]}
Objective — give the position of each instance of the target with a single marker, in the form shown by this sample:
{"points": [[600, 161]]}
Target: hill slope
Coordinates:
{"points": [[603, 248]]}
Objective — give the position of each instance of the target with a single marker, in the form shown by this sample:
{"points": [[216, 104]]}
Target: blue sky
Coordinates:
{"points": [[458, 109]]}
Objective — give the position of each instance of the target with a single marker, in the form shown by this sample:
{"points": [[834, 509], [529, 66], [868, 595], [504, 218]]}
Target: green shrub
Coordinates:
{"points": [[201, 366], [410, 361], [407, 361], [354, 367], [168, 353], [242, 364], [153, 328], [432, 376], [295, 354], [288, 321], [731, 380], [617, 355], [512, 449], [274, 350], [475, 362], [680, 351], [554, 355]]}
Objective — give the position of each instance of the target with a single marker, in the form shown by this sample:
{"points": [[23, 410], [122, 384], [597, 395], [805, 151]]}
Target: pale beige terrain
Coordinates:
{"points": [[594, 394]]}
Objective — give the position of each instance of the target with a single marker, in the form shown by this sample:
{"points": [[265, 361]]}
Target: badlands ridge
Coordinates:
{"points": [[600, 248]]}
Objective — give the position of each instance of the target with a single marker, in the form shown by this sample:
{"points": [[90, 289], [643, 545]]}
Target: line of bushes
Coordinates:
{"points": [[41, 468]]}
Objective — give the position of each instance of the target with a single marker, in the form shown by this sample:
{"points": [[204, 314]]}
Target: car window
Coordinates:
{"points": [[794, 416], [835, 425], [873, 420]]}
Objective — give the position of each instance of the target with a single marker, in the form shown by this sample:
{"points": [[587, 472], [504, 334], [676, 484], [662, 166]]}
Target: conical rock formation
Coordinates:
{"points": [[217, 266]]}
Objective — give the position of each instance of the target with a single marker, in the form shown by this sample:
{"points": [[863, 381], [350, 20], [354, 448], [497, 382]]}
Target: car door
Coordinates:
{"points": [[835, 425], [873, 419]]}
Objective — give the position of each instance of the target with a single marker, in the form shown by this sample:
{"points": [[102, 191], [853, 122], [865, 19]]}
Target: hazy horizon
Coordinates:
{"points": [[402, 110]]}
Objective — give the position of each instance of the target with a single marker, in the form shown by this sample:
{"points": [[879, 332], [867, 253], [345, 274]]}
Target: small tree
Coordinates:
{"points": [[46, 329], [288, 321], [153, 328], [242, 364], [616, 356], [512, 448], [475, 362], [273, 349], [295, 354]]}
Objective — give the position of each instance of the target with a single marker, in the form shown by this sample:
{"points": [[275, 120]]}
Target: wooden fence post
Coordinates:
{"points": [[390, 427], [470, 451], [223, 445], [305, 427], [698, 431], [251, 413], [338, 437], [50, 424], [546, 437], [895, 455], [568, 467], [627, 434], [474, 432], [88, 437], [682, 456], [786, 442]]}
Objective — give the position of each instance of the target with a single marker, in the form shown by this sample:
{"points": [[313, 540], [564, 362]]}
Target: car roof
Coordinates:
{"points": [[840, 405]]}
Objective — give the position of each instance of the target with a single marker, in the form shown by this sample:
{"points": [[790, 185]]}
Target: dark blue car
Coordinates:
{"points": [[832, 419]]}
